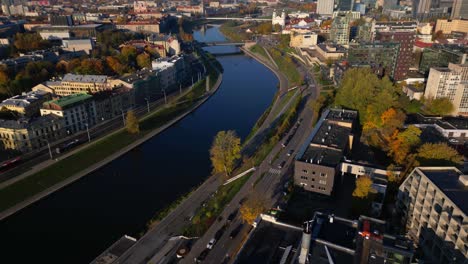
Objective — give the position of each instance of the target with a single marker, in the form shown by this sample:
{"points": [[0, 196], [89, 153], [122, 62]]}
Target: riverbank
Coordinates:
{"points": [[9, 210]]}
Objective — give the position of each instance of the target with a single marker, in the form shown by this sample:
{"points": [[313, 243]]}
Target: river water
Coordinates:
{"points": [[78, 222]]}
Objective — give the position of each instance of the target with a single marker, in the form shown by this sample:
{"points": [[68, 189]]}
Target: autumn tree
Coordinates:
{"points": [[90, 66], [115, 65], [264, 28], [402, 143], [128, 55], [438, 154], [131, 123], [225, 151], [363, 187], [25, 42], [439, 106], [143, 60], [251, 209]]}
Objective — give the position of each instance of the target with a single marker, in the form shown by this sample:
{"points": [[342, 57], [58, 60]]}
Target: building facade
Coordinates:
{"points": [[447, 26], [380, 55], [277, 19], [340, 29], [441, 55], [325, 7], [26, 104], [78, 111], [113, 103], [432, 205], [460, 9], [317, 162], [451, 83], [30, 134]]}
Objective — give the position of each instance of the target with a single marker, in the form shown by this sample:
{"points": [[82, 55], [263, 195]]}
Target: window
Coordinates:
{"points": [[304, 178], [322, 182], [304, 171], [312, 186], [323, 174], [313, 172]]}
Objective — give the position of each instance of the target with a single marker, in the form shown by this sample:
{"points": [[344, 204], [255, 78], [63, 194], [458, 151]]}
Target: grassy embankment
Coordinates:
{"points": [[99, 150]]}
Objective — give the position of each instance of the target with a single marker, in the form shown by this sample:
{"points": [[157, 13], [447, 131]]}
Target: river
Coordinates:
{"points": [[75, 224]]}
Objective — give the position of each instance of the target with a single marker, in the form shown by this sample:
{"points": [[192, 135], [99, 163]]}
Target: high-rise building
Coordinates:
{"points": [[432, 205], [376, 55], [441, 55], [340, 28], [325, 7], [345, 5], [451, 83], [460, 9], [400, 32], [421, 7], [447, 26]]}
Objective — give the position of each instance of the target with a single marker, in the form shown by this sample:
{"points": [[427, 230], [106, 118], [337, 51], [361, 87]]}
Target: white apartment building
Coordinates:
{"points": [[433, 204], [451, 82], [325, 7]]}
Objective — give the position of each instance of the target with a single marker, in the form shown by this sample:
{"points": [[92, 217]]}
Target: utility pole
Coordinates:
{"points": [[123, 117], [87, 131], [50, 151], [165, 98]]}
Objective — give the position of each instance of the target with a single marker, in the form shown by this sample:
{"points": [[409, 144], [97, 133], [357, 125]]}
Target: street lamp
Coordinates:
{"points": [[48, 146], [123, 116], [87, 131], [147, 104], [165, 98]]}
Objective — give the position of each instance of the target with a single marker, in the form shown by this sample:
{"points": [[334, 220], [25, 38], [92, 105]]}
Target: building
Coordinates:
{"points": [[26, 104], [149, 26], [329, 51], [440, 55], [317, 162], [421, 7], [74, 83], [67, 32], [340, 28], [345, 5], [455, 129], [280, 20], [113, 103], [74, 45], [400, 32], [432, 205], [77, 110], [377, 55], [192, 9], [414, 92], [452, 83], [325, 7], [171, 71], [324, 239], [303, 40], [459, 9], [447, 26], [28, 134], [61, 20], [170, 44]]}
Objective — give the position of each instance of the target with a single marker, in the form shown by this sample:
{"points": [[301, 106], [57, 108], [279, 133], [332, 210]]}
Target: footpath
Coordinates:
{"points": [[105, 161]]}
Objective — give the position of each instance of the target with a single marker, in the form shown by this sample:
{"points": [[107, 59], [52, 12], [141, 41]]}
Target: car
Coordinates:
{"points": [[242, 201], [211, 243], [220, 232], [232, 216], [202, 255], [290, 152], [220, 218], [236, 231], [453, 140], [281, 165]]}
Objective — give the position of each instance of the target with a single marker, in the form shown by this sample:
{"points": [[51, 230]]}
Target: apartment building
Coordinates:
{"points": [[432, 205], [380, 55], [447, 26], [325, 7], [318, 161], [452, 83], [303, 39], [28, 134], [440, 55], [26, 104], [340, 28], [77, 110]]}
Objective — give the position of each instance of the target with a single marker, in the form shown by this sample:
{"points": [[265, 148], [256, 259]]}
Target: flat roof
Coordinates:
{"points": [[84, 78], [447, 180], [27, 122], [116, 250], [69, 100]]}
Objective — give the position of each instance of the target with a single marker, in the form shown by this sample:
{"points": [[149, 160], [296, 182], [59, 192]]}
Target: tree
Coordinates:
{"points": [[143, 60], [264, 28], [90, 66], [131, 123], [363, 187], [438, 35], [439, 106], [225, 151], [251, 209], [115, 65], [438, 154], [277, 28], [128, 55], [30, 41]]}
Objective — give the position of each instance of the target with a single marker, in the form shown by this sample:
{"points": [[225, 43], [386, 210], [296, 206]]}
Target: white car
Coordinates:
{"points": [[211, 243]]}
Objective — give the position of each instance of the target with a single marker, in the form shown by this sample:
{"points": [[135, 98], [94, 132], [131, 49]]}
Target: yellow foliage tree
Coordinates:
{"points": [[131, 123], [251, 209], [363, 187], [225, 151]]}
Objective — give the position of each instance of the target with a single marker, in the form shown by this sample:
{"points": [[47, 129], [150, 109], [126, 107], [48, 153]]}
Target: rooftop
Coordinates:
{"points": [[115, 251], [84, 78], [68, 100], [443, 122], [447, 180], [24, 123], [24, 99]]}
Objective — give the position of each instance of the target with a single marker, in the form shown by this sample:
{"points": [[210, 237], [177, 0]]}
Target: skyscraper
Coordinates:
{"points": [[460, 9], [345, 5], [325, 7]]}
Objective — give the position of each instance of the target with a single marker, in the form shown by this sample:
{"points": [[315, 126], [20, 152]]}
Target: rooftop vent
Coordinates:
{"points": [[463, 179]]}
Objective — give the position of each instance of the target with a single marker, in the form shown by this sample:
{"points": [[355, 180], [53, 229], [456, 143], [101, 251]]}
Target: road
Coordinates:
{"points": [[270, 186]]}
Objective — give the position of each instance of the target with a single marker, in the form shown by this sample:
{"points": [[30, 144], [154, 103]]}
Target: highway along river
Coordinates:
{"points": [[75, 224]]}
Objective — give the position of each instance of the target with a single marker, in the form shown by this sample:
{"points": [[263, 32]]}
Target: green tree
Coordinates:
{"points": [[363, 187], [439, 106], [90, 66], [143, 60], [225, 151], [131, 123], [29, 42], [128, 55], [265, 28], [438, 154]]}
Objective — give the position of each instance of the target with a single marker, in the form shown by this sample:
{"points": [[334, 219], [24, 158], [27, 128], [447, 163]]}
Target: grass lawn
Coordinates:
{"points": [[98, 150], [259, 50], [287, 67]]}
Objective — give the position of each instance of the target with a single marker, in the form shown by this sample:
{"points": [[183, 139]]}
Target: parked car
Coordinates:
{"points": [[220, 232], [232, 216], [211, 243], [281, 165], [236, 231], [290, 152], [202, 255]]}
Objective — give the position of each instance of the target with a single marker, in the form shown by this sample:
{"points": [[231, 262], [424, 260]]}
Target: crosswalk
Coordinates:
{"points": [[274, 171]]}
